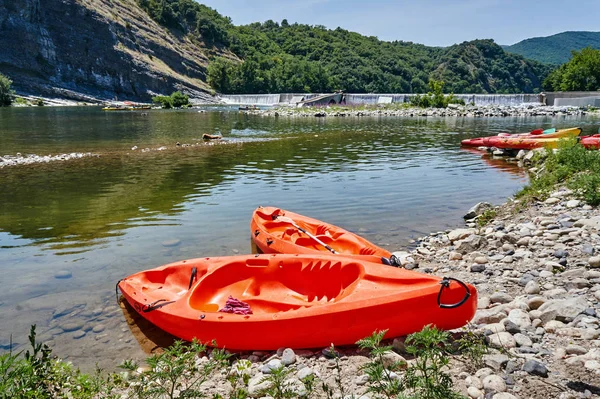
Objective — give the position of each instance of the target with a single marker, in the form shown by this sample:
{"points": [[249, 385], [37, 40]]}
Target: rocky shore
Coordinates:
{"points": [[19, 159], [453, 110], [537, 271]]}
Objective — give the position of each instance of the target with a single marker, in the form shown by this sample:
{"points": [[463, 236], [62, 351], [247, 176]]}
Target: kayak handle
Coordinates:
{"points": [[192, 277], [445, 283], [155, 305]]}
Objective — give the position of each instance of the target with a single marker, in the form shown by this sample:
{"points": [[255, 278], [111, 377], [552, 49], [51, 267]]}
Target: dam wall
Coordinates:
{"points": [[362, 99]]}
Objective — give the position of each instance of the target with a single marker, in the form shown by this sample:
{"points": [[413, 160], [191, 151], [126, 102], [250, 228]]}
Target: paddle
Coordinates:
{"points": [[290, 221]]}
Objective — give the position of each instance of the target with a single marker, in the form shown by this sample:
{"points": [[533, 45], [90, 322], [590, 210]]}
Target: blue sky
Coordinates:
{"points": [[430, 22]]}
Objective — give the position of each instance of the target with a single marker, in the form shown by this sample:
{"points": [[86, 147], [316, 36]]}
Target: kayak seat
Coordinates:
{"points": [[279, 286]]}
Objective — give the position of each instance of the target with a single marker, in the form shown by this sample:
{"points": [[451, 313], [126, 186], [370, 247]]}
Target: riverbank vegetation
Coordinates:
{"points": [[573, 166], [274, 57], [6, 93], [175, 100], [182, 369], [581, 73]]}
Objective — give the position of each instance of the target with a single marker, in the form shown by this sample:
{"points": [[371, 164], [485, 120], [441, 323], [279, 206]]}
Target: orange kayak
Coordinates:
{"points": [[283, 232], [265, 302]]}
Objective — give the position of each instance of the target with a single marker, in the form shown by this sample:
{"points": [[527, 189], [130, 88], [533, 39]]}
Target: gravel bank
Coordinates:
{"points": [[19, 159], [452, 110]]}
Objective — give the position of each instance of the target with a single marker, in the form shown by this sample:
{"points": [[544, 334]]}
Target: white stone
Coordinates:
{"points": [[494, 383], [532, 288], [502, 340], [474, 393]]}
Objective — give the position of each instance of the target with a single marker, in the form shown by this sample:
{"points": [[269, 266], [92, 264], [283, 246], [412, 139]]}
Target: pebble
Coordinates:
{"points": [[532, 288], [288, 357], [477, 268], [533, 367], [500, 297], [98, 328], [63, 274], [594, 261], [494, 383], [474, 393], [72, 326], [171, 243], [502, 340]]}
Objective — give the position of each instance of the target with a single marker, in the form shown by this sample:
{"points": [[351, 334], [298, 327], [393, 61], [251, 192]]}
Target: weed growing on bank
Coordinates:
{"points": [[181, 370], [571, 165]]}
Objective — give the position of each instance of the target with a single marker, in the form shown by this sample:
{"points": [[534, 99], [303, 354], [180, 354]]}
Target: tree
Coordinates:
{"points": [[6, 92], [582, 72]]}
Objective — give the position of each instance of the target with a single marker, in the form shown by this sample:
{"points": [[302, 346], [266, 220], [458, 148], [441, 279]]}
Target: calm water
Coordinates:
{"points": [[100, 219]]}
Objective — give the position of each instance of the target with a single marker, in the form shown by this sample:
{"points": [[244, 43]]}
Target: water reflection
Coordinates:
{"points": [[501, 163]]}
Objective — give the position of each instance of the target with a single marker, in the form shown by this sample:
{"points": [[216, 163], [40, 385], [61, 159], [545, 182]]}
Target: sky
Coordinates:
{"points": [[429, 22]]}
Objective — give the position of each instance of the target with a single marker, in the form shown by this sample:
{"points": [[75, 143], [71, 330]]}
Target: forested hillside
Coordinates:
{"points": [[555, 49], [283, 57]]}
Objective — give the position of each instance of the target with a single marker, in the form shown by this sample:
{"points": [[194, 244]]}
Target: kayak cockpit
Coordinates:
{"points": [[274, 285]]}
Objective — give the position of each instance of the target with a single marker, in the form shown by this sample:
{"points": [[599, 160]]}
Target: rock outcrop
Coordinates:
{"points": [[83, 49]]}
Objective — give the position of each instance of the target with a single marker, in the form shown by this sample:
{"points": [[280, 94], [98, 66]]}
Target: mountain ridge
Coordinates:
{"points": [[554, 49]]}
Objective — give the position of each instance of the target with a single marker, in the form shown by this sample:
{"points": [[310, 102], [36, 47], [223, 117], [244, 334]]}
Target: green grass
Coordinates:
{"points": [[571, 165]]}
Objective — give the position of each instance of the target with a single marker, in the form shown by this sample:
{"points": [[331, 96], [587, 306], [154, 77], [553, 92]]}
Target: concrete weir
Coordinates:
{"points": [[300, 99]]}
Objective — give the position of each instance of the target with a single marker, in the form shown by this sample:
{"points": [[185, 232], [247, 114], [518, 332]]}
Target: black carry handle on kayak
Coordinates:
{"points": [[446, 284]]}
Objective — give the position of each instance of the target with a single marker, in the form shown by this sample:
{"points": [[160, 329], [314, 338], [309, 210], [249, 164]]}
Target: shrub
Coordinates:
{"points": [[175, 100], [6, 92], [435, 98]]}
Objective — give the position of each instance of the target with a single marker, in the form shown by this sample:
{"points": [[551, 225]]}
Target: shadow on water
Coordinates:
{"points": [[150, 338]]}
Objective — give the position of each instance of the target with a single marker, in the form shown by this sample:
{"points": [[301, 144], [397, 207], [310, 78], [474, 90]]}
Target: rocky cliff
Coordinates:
{"points": [[102, 49]]}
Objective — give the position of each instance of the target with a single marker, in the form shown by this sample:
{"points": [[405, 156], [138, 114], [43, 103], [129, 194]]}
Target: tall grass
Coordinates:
{"points": [[571, 165]]}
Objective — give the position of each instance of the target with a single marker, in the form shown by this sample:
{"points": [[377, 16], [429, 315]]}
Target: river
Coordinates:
{"points": [[70, 230]]}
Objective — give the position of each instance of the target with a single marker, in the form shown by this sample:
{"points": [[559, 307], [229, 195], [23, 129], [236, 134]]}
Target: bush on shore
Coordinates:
{"points": [[6, 93], [572, 165], [175, 100], [435, 98]]}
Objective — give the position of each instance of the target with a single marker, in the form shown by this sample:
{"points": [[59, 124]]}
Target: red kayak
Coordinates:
{"points": [[529, 143], [265, 302], [591, 142], [479, 141]]}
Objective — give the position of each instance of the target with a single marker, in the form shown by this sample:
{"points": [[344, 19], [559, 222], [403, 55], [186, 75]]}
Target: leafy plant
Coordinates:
{"points": [[175, 100], [472, 348], [178, 373], [279, 388], [239, 377], [384, 381], [425, 378], [487, 216]]}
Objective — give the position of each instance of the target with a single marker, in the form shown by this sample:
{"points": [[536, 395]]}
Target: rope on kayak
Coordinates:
{"points": [[155, 305], [445, 283], [117, 290], [193, 276], [236, 306]]}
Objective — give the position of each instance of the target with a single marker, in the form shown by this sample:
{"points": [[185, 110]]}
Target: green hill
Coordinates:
{"points": [[284, 57], [555, 49]]}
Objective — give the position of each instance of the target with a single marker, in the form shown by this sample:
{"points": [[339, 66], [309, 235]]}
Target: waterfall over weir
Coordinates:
{"points": [[356, 99]]}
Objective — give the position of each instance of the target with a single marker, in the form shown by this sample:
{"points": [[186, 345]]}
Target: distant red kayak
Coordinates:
{"points": [[529, 143], [479, 141], [534, 134], [591, 142]]}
